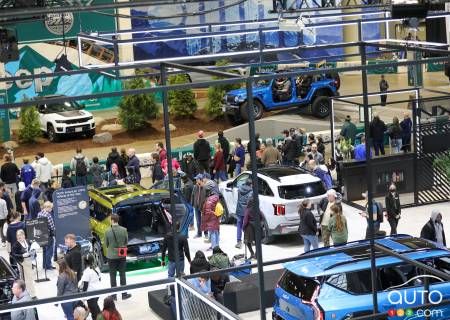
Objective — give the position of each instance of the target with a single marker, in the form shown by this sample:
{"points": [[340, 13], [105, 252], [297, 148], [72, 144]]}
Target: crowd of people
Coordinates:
{"points": [[26, 193]]}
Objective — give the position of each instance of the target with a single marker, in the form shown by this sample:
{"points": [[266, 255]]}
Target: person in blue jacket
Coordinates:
{"points": [[360, 150], [26, 196], [134, 165], [245, 192], [34, 205], [321, 174], [27, 173]]}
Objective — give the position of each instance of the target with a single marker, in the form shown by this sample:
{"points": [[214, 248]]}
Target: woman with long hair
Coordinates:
{"points": [[66, 285], [338, 226], [109, 310], [308, 226], [90, 281], [219, 169]]}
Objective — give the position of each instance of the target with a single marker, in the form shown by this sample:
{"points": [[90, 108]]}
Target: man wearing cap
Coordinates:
{"points": [[202, 152], [325, 206], [198, 198], [189, 166], [349, 130], [434, 229]]}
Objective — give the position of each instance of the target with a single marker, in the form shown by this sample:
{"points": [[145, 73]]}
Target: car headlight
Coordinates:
{"points": [[236, 99], [90, 118], [59, 121]]}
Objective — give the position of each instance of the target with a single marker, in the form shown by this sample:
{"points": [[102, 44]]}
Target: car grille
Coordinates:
{"points": [[72, 129], [79, 120]]}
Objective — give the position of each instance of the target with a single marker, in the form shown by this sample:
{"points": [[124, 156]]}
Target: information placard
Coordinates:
{"points": [[71, 208], [37, 230]]}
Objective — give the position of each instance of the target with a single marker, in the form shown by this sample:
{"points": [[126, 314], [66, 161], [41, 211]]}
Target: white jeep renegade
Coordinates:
{"points": [[65, 119]]}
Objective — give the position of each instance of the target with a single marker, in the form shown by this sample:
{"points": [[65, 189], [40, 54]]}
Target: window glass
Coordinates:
{"points": [[299, 287], [240, 180], [300, 191], [264, 188], [354, 282], [100, 211]]}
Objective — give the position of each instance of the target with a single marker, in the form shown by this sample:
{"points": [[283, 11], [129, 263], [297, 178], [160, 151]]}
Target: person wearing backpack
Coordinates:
{"points": [[210, 221], [91, 281], [79, 165]]}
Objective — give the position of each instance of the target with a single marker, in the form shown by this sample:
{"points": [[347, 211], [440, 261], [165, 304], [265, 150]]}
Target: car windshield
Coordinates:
{"points": [[300, 287], [61, 107], [300, 191]]}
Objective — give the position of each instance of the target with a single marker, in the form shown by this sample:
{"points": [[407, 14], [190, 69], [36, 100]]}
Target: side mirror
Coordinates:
{"points": [[230, 184]]}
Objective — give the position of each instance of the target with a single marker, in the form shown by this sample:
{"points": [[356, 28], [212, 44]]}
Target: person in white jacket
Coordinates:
{"points": [[44, 171]]}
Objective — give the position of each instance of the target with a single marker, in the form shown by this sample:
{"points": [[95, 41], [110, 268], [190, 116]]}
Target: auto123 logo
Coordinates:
{"points": [[404, 302]]}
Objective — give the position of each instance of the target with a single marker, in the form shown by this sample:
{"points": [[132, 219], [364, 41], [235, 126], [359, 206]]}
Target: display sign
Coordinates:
{"points": [[415, 73], [71, 208], [54, 26], [37, 230], [4, 119], [31, 62]]}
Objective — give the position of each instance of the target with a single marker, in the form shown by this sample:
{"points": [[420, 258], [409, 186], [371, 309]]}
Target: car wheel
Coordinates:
{"points": [[234, 119], [98, 257], [52, 135], [321, 106], [266, 238], [258, 110], [225, 218], [91, 133]]}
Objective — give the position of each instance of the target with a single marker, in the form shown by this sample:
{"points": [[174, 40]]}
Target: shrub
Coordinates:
{"points": [[30, 129], [443, 163], [215, 95], [181, 102], [136, 110]]}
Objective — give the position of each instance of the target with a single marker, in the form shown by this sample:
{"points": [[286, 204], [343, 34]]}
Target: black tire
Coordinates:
{"points": [[98, 256], [321, 106], [225, 218], [257, 107], [91, 133], [265, 237], [52, 135], [234, 119]]}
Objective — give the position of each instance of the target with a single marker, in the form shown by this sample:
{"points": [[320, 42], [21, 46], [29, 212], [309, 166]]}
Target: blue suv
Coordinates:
{"points": [[282, 93], [338, 286]]}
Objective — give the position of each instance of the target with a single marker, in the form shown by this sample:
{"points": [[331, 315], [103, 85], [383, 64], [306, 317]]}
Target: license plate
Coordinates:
{"points": [[79, 129]]}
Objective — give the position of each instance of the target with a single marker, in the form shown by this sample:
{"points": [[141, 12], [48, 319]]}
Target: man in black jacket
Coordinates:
{"points": [[73, 254], [9, 174], [183, 249], [393, 208], [377, 130], [434, 229], [289, 150], [225, 145], [202, 152]]}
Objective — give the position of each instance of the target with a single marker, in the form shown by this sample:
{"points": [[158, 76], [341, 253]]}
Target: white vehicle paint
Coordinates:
{"points": [[281, 191]]}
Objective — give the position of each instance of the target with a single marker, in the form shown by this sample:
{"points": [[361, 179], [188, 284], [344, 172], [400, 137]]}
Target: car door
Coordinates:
{"points": [[232, 192], [266, 198]]}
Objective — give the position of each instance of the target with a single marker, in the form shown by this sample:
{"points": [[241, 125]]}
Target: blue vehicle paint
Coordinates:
{"points": [[337, 285], [313, 92]]}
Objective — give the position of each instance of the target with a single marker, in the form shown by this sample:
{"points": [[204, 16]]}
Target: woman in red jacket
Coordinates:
{"points": [[211, 222], [219, 164]]}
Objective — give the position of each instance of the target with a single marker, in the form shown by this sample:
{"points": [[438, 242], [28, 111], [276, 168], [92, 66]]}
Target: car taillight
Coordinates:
{"points": [[279, 209]]}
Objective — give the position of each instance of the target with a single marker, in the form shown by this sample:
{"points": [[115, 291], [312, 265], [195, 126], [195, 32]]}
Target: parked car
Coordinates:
{"points": [[281, 191], [280, 93], [143, 212], [337, 285], [64, 119]]}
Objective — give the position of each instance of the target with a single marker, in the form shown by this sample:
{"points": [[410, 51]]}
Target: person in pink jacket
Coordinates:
{"points": [[175, 165], [211, 222]]}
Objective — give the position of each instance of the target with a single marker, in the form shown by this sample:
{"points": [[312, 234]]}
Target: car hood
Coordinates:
{"points": [[243, 92], [71, 114]]}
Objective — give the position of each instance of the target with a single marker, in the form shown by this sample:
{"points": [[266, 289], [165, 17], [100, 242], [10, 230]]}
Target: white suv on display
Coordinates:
{"points": [[65, 119], [281, 191]]}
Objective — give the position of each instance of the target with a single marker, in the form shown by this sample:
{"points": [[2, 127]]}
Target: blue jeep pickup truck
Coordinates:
{"points": [[281, 93]]}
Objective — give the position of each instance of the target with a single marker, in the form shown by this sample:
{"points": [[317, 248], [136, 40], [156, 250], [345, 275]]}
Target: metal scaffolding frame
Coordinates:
{"points": [[248, 80]]}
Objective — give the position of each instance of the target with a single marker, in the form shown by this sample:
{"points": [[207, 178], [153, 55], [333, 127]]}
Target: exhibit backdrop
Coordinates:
{"points": [[71, 209], [248, 10], [31, 62]]}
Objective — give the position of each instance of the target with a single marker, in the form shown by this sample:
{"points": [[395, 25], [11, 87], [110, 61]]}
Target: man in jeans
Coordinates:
{"points": [[79, 165], [183, 249], [116, 238], [46, 213], [198, 198], [245, 192]]}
